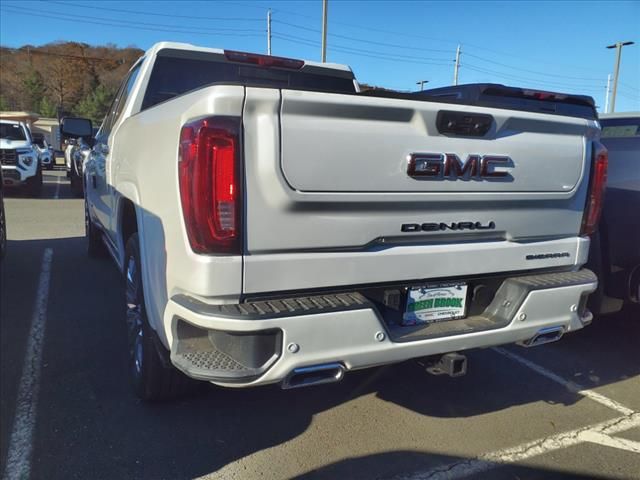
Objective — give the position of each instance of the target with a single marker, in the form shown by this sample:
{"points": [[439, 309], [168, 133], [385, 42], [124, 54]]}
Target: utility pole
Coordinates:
{"points": [[325, 8], [269, 32], [606, 98], [618, 46], [421, 83], [456, 66]]}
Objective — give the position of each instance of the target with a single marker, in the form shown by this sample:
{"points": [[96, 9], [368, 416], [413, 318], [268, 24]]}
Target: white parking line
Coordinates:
{"points": [[571, 386], [599, 433], [21, 440], [492, 460], [57, 194], [608, 441]]}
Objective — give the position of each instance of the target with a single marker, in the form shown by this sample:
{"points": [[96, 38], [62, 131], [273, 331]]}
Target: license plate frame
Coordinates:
{"points": [[435, 303]]}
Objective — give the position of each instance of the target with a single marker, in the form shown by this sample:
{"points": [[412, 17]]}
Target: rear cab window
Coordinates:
{"points": [[620, 127], [176, 72]]}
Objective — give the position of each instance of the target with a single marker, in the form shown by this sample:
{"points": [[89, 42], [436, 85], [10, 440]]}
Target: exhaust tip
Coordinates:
{"points": [[314, 375], [545, 335]]}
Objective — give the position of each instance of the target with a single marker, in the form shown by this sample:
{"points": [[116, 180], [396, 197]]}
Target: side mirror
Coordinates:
{"points": [[76, 127]]}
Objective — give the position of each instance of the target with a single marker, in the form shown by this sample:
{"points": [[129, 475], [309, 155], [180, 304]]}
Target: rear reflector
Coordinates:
{"points": [[263, 60], [209, 176], [597, 185]]}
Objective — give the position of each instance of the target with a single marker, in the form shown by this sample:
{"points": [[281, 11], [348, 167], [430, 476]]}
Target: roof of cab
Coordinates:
{"points": [[187, 46]]}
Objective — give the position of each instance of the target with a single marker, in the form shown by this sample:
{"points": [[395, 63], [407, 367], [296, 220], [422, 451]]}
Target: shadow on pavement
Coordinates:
{"points": [[89, 425], [49, 183], [395, 465]]}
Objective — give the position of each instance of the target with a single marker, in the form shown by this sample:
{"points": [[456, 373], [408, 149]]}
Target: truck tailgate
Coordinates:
{"points": [[330, 177], [342, 143]]}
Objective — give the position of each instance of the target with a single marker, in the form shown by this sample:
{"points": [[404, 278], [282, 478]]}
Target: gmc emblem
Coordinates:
{"points": [[440, 166]]}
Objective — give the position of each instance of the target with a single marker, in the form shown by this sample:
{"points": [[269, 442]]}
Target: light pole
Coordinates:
{"points": [[325, 12], [618, 46], [606, 98], [269, 32], [456, 67], [421, 83]]}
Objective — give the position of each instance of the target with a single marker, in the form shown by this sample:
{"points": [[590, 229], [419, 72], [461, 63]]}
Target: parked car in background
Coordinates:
{"points": [[19, 158], [78, 155], [68, 145], [77, 148], [45, 151], [615, 249], [277, 226]]}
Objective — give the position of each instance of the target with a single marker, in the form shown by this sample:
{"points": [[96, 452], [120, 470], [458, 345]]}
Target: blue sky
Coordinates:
{"points": [[548, 45]]}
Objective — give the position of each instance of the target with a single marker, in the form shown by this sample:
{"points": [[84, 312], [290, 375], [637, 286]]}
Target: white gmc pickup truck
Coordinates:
{"points": [[276, 225]]}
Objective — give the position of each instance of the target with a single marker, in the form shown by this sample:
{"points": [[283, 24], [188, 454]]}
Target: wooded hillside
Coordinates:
{"points": [[63, 76]]}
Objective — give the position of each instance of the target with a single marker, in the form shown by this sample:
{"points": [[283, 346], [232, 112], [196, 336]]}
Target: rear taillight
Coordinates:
{"points": [[597, 185], [210, 178]]}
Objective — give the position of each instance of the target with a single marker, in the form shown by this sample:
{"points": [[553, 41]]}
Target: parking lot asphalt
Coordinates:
{"points": [[564, 410]]}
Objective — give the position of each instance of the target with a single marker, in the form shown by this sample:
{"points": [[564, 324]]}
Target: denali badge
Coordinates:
{"points": [[434, 227], [440, 166]]}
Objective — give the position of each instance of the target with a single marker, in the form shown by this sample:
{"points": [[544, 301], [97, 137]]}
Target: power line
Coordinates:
{"points": [[630, 97], [532, 71], [155, 14], [519, 56], [362, 27], [635, 89], [120, 25], [420, 60], [425, 37], [532, 80], [159, 25], [518, 78], [246, 5], [372, 42], [363, 53], [591, 81], [360, 50]]}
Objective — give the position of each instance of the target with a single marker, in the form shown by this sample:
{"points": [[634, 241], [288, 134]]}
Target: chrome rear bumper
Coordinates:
{"points": [[264, 342]]}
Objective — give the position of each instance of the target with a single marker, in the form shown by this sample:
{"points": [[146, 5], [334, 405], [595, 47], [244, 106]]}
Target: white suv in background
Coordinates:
{"points": [[19, 157]]}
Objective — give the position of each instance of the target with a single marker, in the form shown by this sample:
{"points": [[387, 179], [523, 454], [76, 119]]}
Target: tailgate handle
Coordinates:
{"points": [[464, 124]]}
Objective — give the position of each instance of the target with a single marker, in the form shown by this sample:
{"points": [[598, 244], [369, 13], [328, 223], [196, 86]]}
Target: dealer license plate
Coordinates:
{"points": [[435, 303]]}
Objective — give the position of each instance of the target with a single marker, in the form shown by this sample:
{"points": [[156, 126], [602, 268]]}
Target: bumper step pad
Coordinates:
{"points": [[286, 307]]}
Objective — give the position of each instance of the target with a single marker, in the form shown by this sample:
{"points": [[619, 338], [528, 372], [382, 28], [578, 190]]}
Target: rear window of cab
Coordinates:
{"points": [[620, 127]]}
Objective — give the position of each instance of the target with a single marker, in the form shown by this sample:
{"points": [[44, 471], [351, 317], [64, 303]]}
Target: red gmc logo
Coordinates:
{"points": [[440, 166]]}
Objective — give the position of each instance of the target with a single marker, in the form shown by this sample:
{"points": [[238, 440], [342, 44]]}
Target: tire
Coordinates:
{"points": [[152, 377], [76, 185], [95, 245], [34, 184]]}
